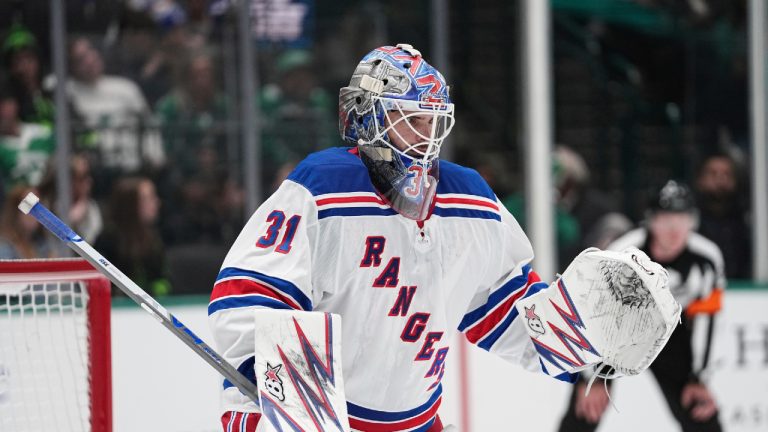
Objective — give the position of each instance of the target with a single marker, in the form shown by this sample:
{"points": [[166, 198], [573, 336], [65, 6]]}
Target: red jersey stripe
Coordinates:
{"points": [[234, 287]]}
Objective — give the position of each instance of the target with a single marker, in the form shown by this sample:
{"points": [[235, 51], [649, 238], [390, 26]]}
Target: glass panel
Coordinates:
{"points": [[644, 91]]}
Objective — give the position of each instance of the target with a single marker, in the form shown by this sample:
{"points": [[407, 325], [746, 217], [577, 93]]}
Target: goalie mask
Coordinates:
{"points": [[397, 111]]}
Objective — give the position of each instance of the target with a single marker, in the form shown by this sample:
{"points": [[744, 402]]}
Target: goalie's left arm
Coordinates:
{"points": [[492, 322], [608, 308], [495, 325]]}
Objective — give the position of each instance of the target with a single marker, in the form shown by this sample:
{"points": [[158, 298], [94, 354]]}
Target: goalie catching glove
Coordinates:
{"points": [[607, 309]]}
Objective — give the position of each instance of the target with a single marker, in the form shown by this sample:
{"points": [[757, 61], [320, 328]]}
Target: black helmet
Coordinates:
{"points": [[674, 196]]}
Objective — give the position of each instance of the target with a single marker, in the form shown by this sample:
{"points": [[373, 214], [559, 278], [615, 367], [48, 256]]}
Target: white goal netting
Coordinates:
{"points": [[54, 347]]}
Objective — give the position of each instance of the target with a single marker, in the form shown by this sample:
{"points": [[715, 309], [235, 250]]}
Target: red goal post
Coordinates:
{"points": [[55, 349]]}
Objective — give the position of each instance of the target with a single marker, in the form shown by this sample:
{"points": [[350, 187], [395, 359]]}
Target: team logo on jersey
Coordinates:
{"points": [[273, 383], [533, 320]]}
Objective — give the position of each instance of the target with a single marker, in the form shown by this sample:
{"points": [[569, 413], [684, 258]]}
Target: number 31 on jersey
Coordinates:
{"points": [[276, 220]]}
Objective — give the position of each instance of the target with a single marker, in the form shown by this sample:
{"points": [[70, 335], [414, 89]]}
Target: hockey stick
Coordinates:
{"points": [[31, 206]]}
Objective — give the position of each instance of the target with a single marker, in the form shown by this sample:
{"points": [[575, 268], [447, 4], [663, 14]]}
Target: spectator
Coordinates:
{"points": [[192, 116], [115, 109], [723, 213], [595, 213], [24, 147], [20, 56], [584, 216], [21, 237], [230, 201], [199, 19], [697, 280], [193, 217], [297, 113], [132, 50], [131, 240], [84, 213], [185, 28]]}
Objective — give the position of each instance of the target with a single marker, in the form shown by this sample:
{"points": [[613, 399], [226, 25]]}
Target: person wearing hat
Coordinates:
{"points": [[697, 280], [22, 61]]}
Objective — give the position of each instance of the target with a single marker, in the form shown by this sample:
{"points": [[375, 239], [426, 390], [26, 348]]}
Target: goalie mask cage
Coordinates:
{"points": [[55, 355]]}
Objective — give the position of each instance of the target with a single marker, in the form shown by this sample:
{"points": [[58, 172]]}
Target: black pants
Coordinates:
{"points": [[671, 370]]}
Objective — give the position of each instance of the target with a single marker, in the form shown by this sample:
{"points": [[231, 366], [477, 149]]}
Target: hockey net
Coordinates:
{"points": [[55, 353]]}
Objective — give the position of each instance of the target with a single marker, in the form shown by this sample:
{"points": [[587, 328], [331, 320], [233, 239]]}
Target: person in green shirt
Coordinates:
{"points": [[193, 119], [193, 115], [25, 148], [297, 113]]}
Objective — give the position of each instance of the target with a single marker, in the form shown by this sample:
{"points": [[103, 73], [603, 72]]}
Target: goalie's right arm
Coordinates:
{"points": [[268, 267]]}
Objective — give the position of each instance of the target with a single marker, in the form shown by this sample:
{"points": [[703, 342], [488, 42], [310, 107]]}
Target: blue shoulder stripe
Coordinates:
{"points": [[283, 285], [456, 179], [334, 170]]}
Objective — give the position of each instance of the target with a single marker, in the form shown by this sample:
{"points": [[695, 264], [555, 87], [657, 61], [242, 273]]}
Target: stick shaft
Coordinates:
{"points": [[85, 250]]}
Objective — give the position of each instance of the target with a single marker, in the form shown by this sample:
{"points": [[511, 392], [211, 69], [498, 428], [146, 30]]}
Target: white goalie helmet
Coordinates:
{"points": [[397, 111]]}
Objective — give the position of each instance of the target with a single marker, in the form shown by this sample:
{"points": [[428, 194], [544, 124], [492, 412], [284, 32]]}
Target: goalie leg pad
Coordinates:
{"points": [[298, 371], [608, 307]]}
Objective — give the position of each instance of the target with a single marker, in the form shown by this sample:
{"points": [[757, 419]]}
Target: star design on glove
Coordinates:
{"points": [[272, 372], [531, 313]]}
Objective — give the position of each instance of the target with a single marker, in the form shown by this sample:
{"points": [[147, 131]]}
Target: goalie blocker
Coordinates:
{"points": [[607, 309]]}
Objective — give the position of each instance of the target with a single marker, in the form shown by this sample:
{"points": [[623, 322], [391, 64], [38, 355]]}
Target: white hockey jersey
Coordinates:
{"points": [[325, 241]]}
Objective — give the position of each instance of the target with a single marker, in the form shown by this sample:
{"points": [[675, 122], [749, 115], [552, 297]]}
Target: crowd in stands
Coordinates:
{"points": [[156, 167]]}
